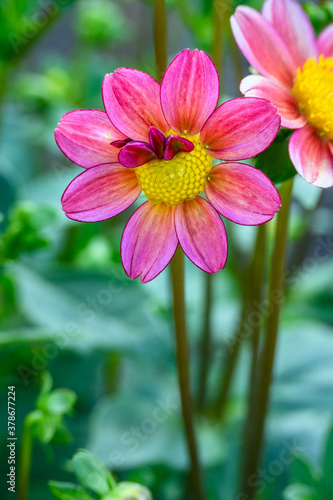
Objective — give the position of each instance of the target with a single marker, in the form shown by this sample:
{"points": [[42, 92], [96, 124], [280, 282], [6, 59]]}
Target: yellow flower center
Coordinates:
{"points": [[177, 180], [313, 89]]}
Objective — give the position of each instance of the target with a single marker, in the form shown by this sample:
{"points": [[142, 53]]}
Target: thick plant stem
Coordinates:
{"points": [[205, 350], [182, 348], [217, 46], [221, 14], [260, 394], [160, 35], [25, 461]]}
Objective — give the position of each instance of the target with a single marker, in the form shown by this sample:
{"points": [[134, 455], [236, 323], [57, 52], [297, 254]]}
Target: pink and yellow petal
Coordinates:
{"points": [[149, 241], [293, 25], [202, 234], [240, 128], [262, 45], [189, 91], [84, 136], [242, 193], [312, 156], [100, 193], [325, 42], [281, 97], [132, 101]]}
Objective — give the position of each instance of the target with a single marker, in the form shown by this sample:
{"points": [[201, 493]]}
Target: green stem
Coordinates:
{"points": [[259, 402], [160, 36], [217, 46], [222, 10], [25, 461], [206, 342], [182, 348], [112, 372]]}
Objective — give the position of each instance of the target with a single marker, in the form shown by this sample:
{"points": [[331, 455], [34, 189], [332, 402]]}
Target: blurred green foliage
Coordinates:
{"points": [[45, 423], [94, 478], [66, 305]]}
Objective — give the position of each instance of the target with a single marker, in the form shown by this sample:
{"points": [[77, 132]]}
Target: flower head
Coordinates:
{"points": [[296, 75], [162, 139]]}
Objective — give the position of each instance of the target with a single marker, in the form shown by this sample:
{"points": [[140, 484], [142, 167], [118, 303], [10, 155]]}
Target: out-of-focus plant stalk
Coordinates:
{"points": [[160, 37], [205, 348], [25, 461], [178, 287], [260, 394], [178, 290], [219, 13]]}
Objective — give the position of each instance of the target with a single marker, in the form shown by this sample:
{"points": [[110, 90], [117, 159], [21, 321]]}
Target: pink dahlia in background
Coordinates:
{"points": [[161, 139], [297, 71]]}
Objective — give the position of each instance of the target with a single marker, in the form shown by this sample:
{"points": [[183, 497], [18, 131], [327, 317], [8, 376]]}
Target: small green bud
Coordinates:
{"points": [[129, 491]]}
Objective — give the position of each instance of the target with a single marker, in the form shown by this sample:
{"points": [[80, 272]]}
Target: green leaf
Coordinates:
{"points": [[148, 433], [304, 473], [72, 323], [319, 16], [43, 426], [62, 436], [47, 382], [327, 464], [299, 492], [58, 402], [275, 161], [27, 336], [92, 473], [68, 491]]}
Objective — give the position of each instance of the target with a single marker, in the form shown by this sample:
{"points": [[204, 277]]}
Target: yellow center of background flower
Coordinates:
{"points": [[177, 180], [313, 89]]}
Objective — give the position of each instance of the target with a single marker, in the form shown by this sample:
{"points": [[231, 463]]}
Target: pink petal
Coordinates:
{"points": [[132, 102], [149, 241], [157, 141], [242, 193], [136, 154], [325, 42], [202, 234], [262, 45], [175, 144], [293, 25], [120, 144], [281, 97], [240, 128], [100, 193], [189, 91], [312, 157], [84, 136]]}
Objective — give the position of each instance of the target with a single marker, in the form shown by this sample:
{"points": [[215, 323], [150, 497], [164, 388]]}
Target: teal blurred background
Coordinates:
{"points": [[66, 305]]}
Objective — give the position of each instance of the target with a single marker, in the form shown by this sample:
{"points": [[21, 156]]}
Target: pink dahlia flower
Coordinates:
{"points": [[161, 139], [297, 71]]}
